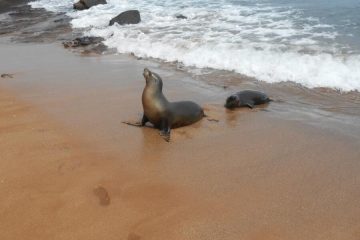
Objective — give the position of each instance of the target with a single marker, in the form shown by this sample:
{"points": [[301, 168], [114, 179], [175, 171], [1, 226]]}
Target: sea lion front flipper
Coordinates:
{"points": [[250, 104], [165, 130], [144, 120]]}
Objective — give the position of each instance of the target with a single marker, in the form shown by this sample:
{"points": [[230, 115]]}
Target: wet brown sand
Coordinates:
{"points": [[21, 23], [70, 170]]}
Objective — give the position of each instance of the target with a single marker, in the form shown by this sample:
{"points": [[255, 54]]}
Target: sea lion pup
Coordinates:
{"points": [[165, 115], [246, 98]]}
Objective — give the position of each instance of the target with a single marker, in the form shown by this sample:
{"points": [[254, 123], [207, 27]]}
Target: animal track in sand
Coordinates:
{"points": [[133, 236], [103, 195], [7, 75]]}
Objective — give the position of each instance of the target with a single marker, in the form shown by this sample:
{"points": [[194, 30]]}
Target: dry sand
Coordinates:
{"points": [[70, 170]]}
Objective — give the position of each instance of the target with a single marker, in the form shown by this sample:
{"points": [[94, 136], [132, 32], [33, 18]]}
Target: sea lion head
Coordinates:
{"points": [[232, 101], [152, 79]]}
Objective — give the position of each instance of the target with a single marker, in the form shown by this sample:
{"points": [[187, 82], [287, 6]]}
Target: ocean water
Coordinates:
{"points": [[315, 43]]}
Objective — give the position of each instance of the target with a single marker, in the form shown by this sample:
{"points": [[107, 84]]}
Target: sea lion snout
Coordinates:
{"points": [[147, 73], [152, 79]]}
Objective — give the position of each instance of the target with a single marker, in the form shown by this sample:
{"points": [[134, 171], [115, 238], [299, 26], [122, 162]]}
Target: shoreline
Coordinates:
{"points": [[324, 108], [308, 84], [71, 169]]}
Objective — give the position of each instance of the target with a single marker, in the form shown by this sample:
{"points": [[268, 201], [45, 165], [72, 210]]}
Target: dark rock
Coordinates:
{"points": [[97, 49], [59, 20], [71, 44], [87, 45], [9, 5], [127, 17], [90, 3], [82, 41], [79, 6], [85, 4], [180, 16]]}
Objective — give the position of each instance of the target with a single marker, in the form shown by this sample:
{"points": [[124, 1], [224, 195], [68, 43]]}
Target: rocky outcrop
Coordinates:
{"points": [[79, 6], [127, 17], [82, 41], [85, 4], [87, 45], [9, 5]]}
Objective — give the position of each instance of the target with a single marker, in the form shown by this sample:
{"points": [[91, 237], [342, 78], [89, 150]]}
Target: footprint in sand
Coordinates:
{"points": [[7, 75], [133, 236], [103, 196]]}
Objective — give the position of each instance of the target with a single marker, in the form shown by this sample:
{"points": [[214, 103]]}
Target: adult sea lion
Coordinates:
{"points": [[165, 115], [246, 98]]}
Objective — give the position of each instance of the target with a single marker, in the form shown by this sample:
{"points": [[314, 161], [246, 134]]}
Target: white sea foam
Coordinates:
{"points": [[269, 43], [53, 5]]}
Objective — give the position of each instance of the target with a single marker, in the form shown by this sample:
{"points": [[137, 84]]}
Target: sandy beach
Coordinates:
{"points": [[69, 169]]}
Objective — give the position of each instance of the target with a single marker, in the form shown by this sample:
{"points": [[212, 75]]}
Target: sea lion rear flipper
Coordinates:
{"points": [[135, 124], [144, 120]]}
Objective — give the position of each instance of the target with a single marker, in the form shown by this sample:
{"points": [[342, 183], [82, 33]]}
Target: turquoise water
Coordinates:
{"points": [[343, 15], [313, 43]]}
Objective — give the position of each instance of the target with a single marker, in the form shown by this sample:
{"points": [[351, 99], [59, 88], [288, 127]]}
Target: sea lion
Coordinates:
{"points": [[246, 98], [165, 115]]}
